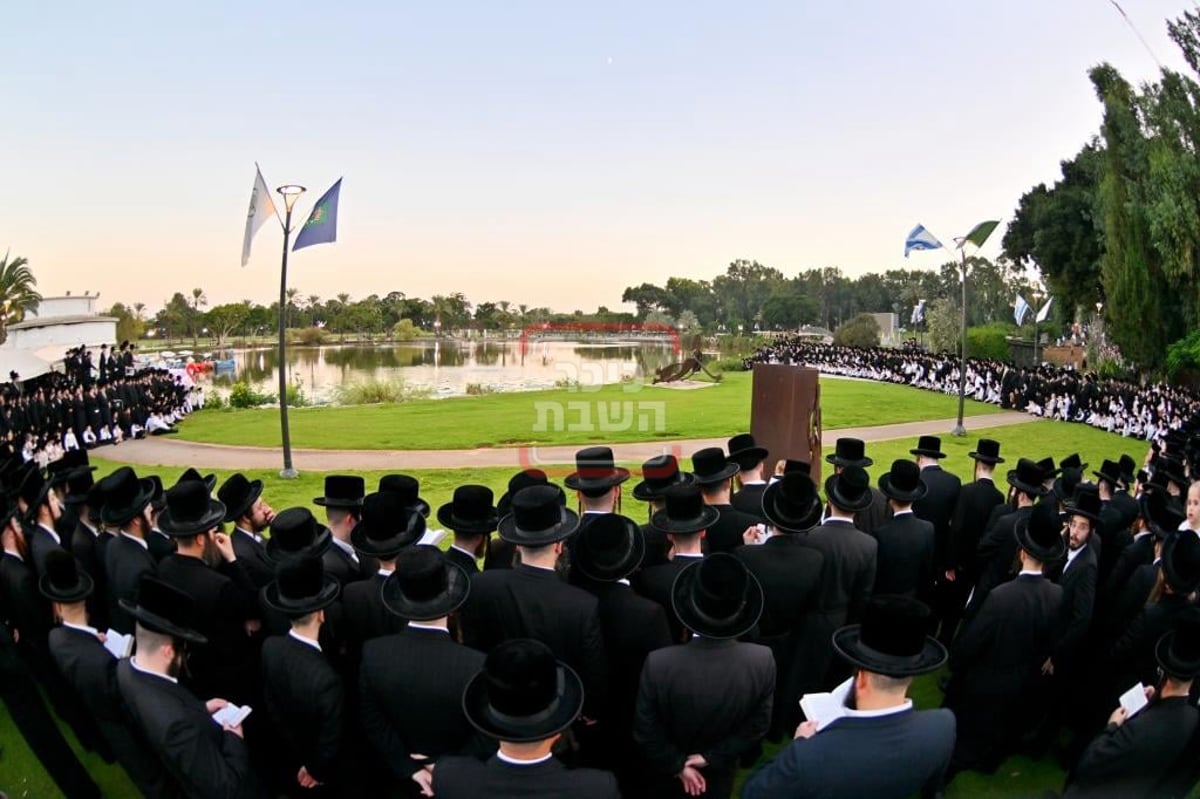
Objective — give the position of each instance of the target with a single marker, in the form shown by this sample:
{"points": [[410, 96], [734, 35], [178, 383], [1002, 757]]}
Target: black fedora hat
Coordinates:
{"points": [[522, 694], [387, 526], [72, 464], [470, 511], [190, 510], [849, 452], [163, 608], [745, 452], [685, 512], [1172, 470], [891, 639], [425, 585], [409, 490], [1072, 461], [33, 489], [850, 490], [239, 495], [797, 465], [1162, 512], [125, 496], [791, 504], [301, 587], [1127, 466], [524, 479], [717, 597], [537, 518], [1040, 533], [191, 474], [295, 532], [710, 466], [1027, 477], [78, 486], [158, 500], [63, 581], [1066, 484], [1048, 469], [1109, 471], [986, 451], [1181, 561], [1178, 651], [1084, 502], [658, 474], [595, 469], [903, 483], [342, 491], [929, 446], [610, 547]]}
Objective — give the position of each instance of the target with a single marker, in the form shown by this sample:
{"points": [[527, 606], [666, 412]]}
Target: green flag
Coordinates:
{"points": [[979, 234]]}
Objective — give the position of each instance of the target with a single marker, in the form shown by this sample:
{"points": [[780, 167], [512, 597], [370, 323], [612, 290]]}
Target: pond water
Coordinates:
{"points": [[446, 367]]}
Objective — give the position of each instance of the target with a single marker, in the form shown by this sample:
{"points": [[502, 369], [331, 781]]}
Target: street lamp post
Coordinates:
{"points": [[1037, 301], [290, 193], [959, 428]]}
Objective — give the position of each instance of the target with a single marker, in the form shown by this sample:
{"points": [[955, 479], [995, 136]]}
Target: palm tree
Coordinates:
{"points": [[314, 305], [139, 310], [17, 293], [291, 294], [199, 300]]}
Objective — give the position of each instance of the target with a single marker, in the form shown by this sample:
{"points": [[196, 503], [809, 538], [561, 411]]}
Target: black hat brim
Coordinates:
{"points": [[889, 490], [1180, 669], [840, 500], [937, 454], [567, 524], [253, 492], [316, 549], [847, 642], [77, 593], [447, 519], [338, 502], [838, 460], [1071, 510], [749, 457], [1034, 489], [118, 515], [1042, 553], [665, 524], [158, 624], [736, 626], [479, 713], [1114, 479], [634, 556], [576, 483], [458, 588], [385, 548], [213, 517], [992, 459], [645, 492], [722, 474], [788, 524], [330, 590]]}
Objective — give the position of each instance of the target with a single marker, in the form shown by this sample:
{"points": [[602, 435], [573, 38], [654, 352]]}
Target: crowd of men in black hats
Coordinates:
{"points": [[1147, 412], [550, 652], [83, 407]]}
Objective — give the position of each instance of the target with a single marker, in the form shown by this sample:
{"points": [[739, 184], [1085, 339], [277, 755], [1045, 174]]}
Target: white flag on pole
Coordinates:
{"points": [[261, 209], [1020, 309], [1044, 314]]}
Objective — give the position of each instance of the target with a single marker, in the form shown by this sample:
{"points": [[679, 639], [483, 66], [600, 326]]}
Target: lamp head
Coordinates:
{"points": [[291, 193]]}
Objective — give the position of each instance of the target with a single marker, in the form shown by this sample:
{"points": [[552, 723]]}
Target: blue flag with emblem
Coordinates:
{"points": [[321, 226]]}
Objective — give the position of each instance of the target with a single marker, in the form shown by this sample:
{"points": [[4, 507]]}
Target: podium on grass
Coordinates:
{"points": [[785, 414]]}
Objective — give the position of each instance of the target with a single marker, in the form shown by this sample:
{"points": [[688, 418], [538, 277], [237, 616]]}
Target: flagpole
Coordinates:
{"points": [[959, 429], [290, 194]]}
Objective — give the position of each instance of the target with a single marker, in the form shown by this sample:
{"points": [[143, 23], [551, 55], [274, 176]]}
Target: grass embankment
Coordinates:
{"points": [[510, 419], [22, 775]]}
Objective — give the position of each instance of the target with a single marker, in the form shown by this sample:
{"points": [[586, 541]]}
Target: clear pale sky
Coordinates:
{"points": [[548, 153]]}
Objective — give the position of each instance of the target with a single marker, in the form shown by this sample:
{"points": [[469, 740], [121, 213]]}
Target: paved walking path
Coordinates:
{"points": [[165, 451]]}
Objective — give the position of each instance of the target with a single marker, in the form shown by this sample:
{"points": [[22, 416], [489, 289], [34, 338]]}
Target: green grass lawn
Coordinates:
{"points": [[513, 418], [21, 775]]}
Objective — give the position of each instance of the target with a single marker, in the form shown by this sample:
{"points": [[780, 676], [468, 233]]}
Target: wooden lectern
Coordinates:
{"points": [[785, 414]]}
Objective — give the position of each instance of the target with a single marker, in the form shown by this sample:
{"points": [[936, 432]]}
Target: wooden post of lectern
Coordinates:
{"points": [[785, 414]]}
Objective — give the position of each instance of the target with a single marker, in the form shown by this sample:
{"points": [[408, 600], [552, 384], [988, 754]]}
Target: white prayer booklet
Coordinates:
{"points": [[432, 537], [120, 645], [826, 708], [231, 715], [1134, 700]]}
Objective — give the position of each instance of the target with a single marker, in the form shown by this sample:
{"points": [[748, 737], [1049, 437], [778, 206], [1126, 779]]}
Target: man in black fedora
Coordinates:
{"points": [[608, 551], [881, 746], [790, 576], [159, 543], [205, 566], [532, 601], [1121, 600], [658, 474], [995, 660], [1117, 513], [342, 501], [472, 517], [500, 553], [853, 452], [385, 529], [88, 544], [40, 511], [408, 489], [691, 735], [411, 683], [751, 460], [714, 474], [127, 557], [302, 694], [683, 521], [956, 572], [251, 516], [199, 757], [525, 699], [295, 533], [847, 572], [1146, 754], [907, 542], [997, 550], [597, 481], [941, 496]]}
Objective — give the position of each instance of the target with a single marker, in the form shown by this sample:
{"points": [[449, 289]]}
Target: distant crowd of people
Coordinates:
{"points": [[1147, 412]]}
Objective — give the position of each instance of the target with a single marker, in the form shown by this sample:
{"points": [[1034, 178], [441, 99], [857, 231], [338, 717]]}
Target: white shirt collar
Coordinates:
{"points": [[349, 550], [1029, 573], [1072, 554], [753, 483], [874, 714], [15, 554], [305, 640], [137, 541], [82, 628], [258, 539], [907, 512], [133, 662], [52, 533], [384, 573], [416, 625], [515, 762], [596, 512], [471, 555]]}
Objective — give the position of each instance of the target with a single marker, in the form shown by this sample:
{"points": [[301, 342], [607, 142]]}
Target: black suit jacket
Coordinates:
{"points": [[253, 557], [125, 561], [200, 758], [905, 557], [976, 501], [528, 602], [460, 558], [1131, 657], [725, 535], [654, 583], [343, 567], [161, 545], [749, 500], [22, 606], [411, 685], [1078, 581], [995, 556], [304, 699], [41, 544], [874, 515], [1139, 552], [89, 548], [365, 616], [468, 778], [938, 505]]}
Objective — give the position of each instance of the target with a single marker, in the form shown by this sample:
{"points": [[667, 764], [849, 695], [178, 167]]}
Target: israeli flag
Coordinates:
{"points": [[920, 239], [1020, 310], [918, 313]]}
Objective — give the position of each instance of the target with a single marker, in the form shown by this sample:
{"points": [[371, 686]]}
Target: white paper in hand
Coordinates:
{"points": [[432, 537], [1134, 700], [826, 708], [120, 645], [231, 715]]}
